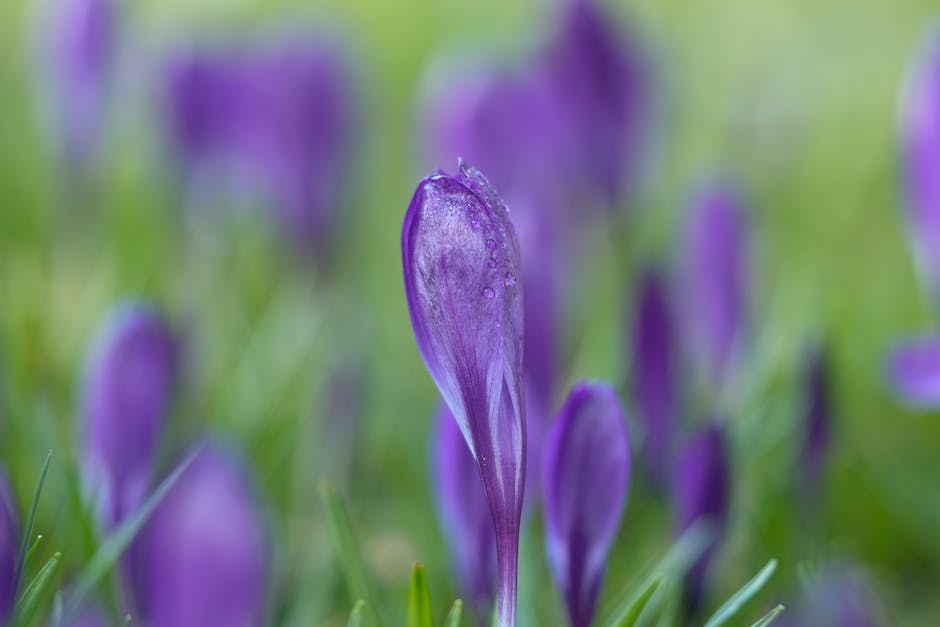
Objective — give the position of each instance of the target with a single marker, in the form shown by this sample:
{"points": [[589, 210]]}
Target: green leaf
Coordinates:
{"points": [[28, 532], [113, 546], [633, 610], [419, 601], [355, 617], [29, 600], [347, 549], [742, 596], [455, 614], [769, 617]]}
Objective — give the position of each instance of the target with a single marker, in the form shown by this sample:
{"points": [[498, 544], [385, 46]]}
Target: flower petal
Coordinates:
{"points": [[586, 474], [9, 547], [914, 372]]}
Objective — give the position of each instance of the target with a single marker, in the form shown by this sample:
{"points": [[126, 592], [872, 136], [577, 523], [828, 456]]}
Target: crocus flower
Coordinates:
{"points": [[714, 281], [276, 119], [202, 559], [654, 376], [914, 365], [604, 79], [837, 596], [920, 139], [817, 414], [129, 386], [9, 548], [461, 262], [78, 41], [700, 491], [90, 616], [586, 473], [465, 513]]}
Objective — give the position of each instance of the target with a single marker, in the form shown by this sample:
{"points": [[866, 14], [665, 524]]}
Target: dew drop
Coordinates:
{"points": [[491, 244], [491, 263], [510, 278], [488, 292], [475, 225]]}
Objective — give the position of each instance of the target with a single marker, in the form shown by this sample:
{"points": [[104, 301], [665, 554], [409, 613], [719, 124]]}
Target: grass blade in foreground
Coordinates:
{"points": [[28, 532], [769, 617], [455, 614], [632, 612], [355, 617], [730, 607], [26, 606], [117, 542], [419, 601], [347, 549]]}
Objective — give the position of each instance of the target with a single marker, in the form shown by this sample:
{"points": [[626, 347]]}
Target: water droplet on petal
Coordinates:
{"points": [[510, 278], [491, 243], [488, 292], [491, 263]]}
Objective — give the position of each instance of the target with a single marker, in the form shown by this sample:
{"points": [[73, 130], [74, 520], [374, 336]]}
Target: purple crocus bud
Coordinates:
{"points": [[839, 595], [90, 616], [129, 386], [78, 39], [603, 78], [714, 276], [700, 491], [914, 372], [461, 262], [920, 143], [817, 415], [9, 548], [586, 474], [277, 119], [465, 513], [655, 388], [202, 559]]}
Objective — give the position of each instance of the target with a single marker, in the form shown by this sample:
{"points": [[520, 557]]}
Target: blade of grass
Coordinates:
{"points": [[117, 541], [632, 611], [737, 600], [455, 614], [28, 531], [32, 548], [32, 594], [347, 549], [355, 617], [769, 617], [419, 600]]}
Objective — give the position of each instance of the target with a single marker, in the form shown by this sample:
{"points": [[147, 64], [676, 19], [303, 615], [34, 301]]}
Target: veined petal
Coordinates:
{"points": [[914, 372], [465, 513], [129, 387], [586, 474], [920, 146]]}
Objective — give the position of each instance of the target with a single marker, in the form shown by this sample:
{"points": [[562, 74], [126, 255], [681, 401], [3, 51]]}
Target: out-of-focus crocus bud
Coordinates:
{"points": [[604, 80], [914, 372], [700, 492], [90, 616], [9, 548], [130, 383], [461, 268], [586, 475], [278, 119], [817, 415], [202, 559], [920, 146], [654, 374], [838, 596], [714, 281], [465, 514], [78, 40]]}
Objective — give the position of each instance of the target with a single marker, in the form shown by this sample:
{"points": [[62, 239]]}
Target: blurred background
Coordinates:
{"points": [[277, 266]]}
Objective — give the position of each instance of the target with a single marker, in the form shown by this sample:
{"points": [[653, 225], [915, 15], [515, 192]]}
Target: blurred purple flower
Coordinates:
{"points": [[604, 79], [130, 382], [914, 372], [90, 616], [700, 491], [202, 559], [461, 263], [920, 139], [9, 547], [838, 596], [655, 377], [586, 474], [714, 275], [818, 415], [277, 119], [465, 514], [79, 40]]}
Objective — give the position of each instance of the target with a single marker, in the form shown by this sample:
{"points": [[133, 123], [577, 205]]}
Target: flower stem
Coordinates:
{"points": [[507, 570]]}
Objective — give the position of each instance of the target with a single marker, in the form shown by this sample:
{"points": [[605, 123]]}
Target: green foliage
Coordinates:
{"points": [[454, 615], [355, 617], [419, 600], [769, 617], [632, 611], [31, 519], [29, 601], [747, 592]]}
